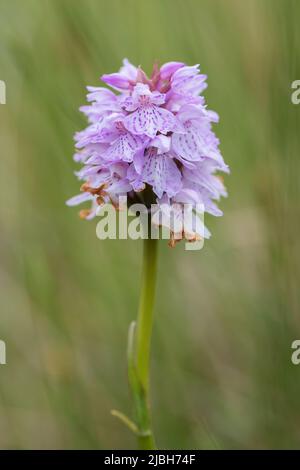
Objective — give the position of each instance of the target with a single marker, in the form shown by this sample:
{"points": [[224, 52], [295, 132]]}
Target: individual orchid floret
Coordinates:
{"points": [[187, 81], [124, 79], [193, 145], [103, 103], [125, 146], [146, 116], [150, 139]]}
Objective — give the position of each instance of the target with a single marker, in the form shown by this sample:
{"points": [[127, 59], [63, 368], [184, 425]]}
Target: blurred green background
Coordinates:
{"points": [[225, 316]]}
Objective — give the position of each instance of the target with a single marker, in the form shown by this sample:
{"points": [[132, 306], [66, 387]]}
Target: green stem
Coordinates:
{"points": [[145, 314], [138, 353], [143, 343]]}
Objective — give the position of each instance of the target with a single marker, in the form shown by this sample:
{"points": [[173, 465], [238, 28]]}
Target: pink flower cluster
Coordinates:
{"points": [[149, 136]]}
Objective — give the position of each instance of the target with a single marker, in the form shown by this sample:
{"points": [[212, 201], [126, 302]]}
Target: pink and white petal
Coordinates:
{"points": [[201, 177], [175, 101], [138, 162], [119, 169], [161, 172], [162, 143], [79, 199], [80, 157], [216, 158], [100, 178], [186, 163], [168, 122], [188, 145], [212, 208], [94, 160], [219, 185], [117, 81], [138, 185], [169, 68], [124, 148], [158, 98], [144, 121], [154, 173], [135, 179], [140, 92], [174, 177], [128, 70], [168, 214], [184, 75], [128, 103], [187, 196], [88, 171], [119, 187], [101, 95], [148, 120], [189, 112]]}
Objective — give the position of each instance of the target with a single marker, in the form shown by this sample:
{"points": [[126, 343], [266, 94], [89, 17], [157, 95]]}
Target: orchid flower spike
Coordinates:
{"points": [[150, 133]]}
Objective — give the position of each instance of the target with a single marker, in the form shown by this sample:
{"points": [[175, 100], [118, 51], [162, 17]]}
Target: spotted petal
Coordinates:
{"points": [[188, 145], [148, 120], [124, 148]]}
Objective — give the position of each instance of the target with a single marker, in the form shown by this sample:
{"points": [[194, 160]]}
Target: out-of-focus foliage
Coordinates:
{"points": [[225, 316]]}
